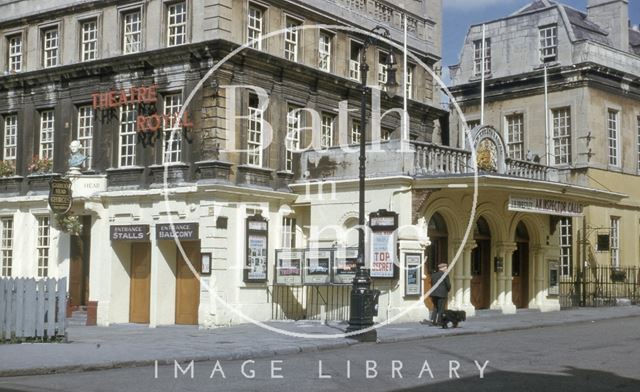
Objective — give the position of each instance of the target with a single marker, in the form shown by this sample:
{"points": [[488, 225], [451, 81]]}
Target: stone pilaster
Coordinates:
{"points": [[504, 298]]}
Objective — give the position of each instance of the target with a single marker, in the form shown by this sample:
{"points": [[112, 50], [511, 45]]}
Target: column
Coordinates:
{"points": [[505, 278], [462, 277]]}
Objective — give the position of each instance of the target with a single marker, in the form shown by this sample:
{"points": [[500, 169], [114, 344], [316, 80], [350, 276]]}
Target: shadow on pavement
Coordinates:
{"points": [[573, 379]]}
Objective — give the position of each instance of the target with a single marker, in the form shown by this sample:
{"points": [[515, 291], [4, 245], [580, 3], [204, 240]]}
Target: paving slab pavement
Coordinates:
{"points": [[130, 345]]}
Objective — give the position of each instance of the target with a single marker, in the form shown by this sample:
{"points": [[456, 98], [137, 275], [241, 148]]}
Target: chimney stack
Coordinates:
{"points": [[613, 17]]}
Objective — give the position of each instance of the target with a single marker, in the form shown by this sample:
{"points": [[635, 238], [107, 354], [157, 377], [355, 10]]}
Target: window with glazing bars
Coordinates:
{"points": [[638, 144], [6, 252], [172, 143], [132, 32], [15, 53], [561, 136], [255, 24], [128, 136], [548, 43], [294, 124], [254, 137], [324, 52], [566, 246], [50, 48], [47, 128], [10, 147], [89, 40], [177, 24], [291, 39], [85, 133], [382, 70], [613, 135], [42, 246], [614, 247], [409, 90], [354, 60], [356, 131], [328, 122], [477, 56], [288, 232], [515, 136]]}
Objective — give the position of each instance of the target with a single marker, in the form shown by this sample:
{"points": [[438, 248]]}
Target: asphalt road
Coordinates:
{"points": [[596, 356]]}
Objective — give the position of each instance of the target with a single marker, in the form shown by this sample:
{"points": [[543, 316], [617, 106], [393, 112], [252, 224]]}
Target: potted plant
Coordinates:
{"points": [[40, 165], [7, 169], [69, 223]]}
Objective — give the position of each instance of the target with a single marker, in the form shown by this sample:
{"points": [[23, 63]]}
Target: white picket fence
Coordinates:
{"points": [[31, 308]]}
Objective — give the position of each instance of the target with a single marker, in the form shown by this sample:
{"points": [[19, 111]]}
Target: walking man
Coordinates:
{"points": [[439, 294]]}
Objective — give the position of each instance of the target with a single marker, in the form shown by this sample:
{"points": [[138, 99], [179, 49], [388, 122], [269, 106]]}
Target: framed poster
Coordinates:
{"points": [[383, 255], [344, 265], [256, 263], [554, 278], [289, 266], [412, 274], [317, 266], [205, 258], [383, 258]]}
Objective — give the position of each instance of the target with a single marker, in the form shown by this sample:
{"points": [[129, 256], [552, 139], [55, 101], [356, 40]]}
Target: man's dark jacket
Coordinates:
{"points": [[442, 291]]}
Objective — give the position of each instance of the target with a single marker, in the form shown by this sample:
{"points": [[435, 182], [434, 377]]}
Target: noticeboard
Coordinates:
{"points": [[289, 266], [256, 263], [317, 266], [412, 274], [383, 254], [344, 265]]}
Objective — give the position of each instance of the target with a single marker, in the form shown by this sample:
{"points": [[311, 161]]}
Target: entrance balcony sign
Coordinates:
{"points": [[289, 266], [545, 206], [60, 196], [129, 233], [183, 231]]}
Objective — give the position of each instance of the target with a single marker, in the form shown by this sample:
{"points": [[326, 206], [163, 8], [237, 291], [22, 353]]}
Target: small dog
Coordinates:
{"points": [[454, 317]]}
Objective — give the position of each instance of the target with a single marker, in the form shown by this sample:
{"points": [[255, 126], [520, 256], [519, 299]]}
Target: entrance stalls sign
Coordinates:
{"points": [[129, 233], [490, 149], [545, 206], [60, 198]]}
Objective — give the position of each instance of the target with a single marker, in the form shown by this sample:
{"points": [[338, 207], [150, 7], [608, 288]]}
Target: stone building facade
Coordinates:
{"points": [[114, 75], [588, 128]]}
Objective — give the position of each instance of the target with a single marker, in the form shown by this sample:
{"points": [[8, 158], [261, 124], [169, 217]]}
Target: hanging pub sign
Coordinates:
{"points": [[317, 266], [129, 233], [344, 265], [60, 198], [382, 261], [289, 266], [183, 231], [255, 270], [413, 274]]}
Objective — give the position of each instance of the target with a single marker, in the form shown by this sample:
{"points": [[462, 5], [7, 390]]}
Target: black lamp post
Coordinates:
{"points": [[364, 300]]}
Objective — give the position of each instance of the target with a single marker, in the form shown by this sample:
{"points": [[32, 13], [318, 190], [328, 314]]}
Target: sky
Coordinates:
{"points": [[460, 14]]}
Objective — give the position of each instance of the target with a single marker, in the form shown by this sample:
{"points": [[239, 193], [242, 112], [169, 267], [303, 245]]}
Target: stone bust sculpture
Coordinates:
{"points": [[77, 158]]}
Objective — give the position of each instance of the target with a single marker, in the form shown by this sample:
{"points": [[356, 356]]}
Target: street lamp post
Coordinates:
{"points": [[364, 300]]}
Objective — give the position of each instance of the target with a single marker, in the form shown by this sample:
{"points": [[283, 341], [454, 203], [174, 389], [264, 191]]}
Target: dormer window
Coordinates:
{"points": [[548, 44]]}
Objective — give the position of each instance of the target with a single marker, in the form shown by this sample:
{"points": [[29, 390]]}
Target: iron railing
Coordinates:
{"points": [[327, 302], [600, 286]]}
